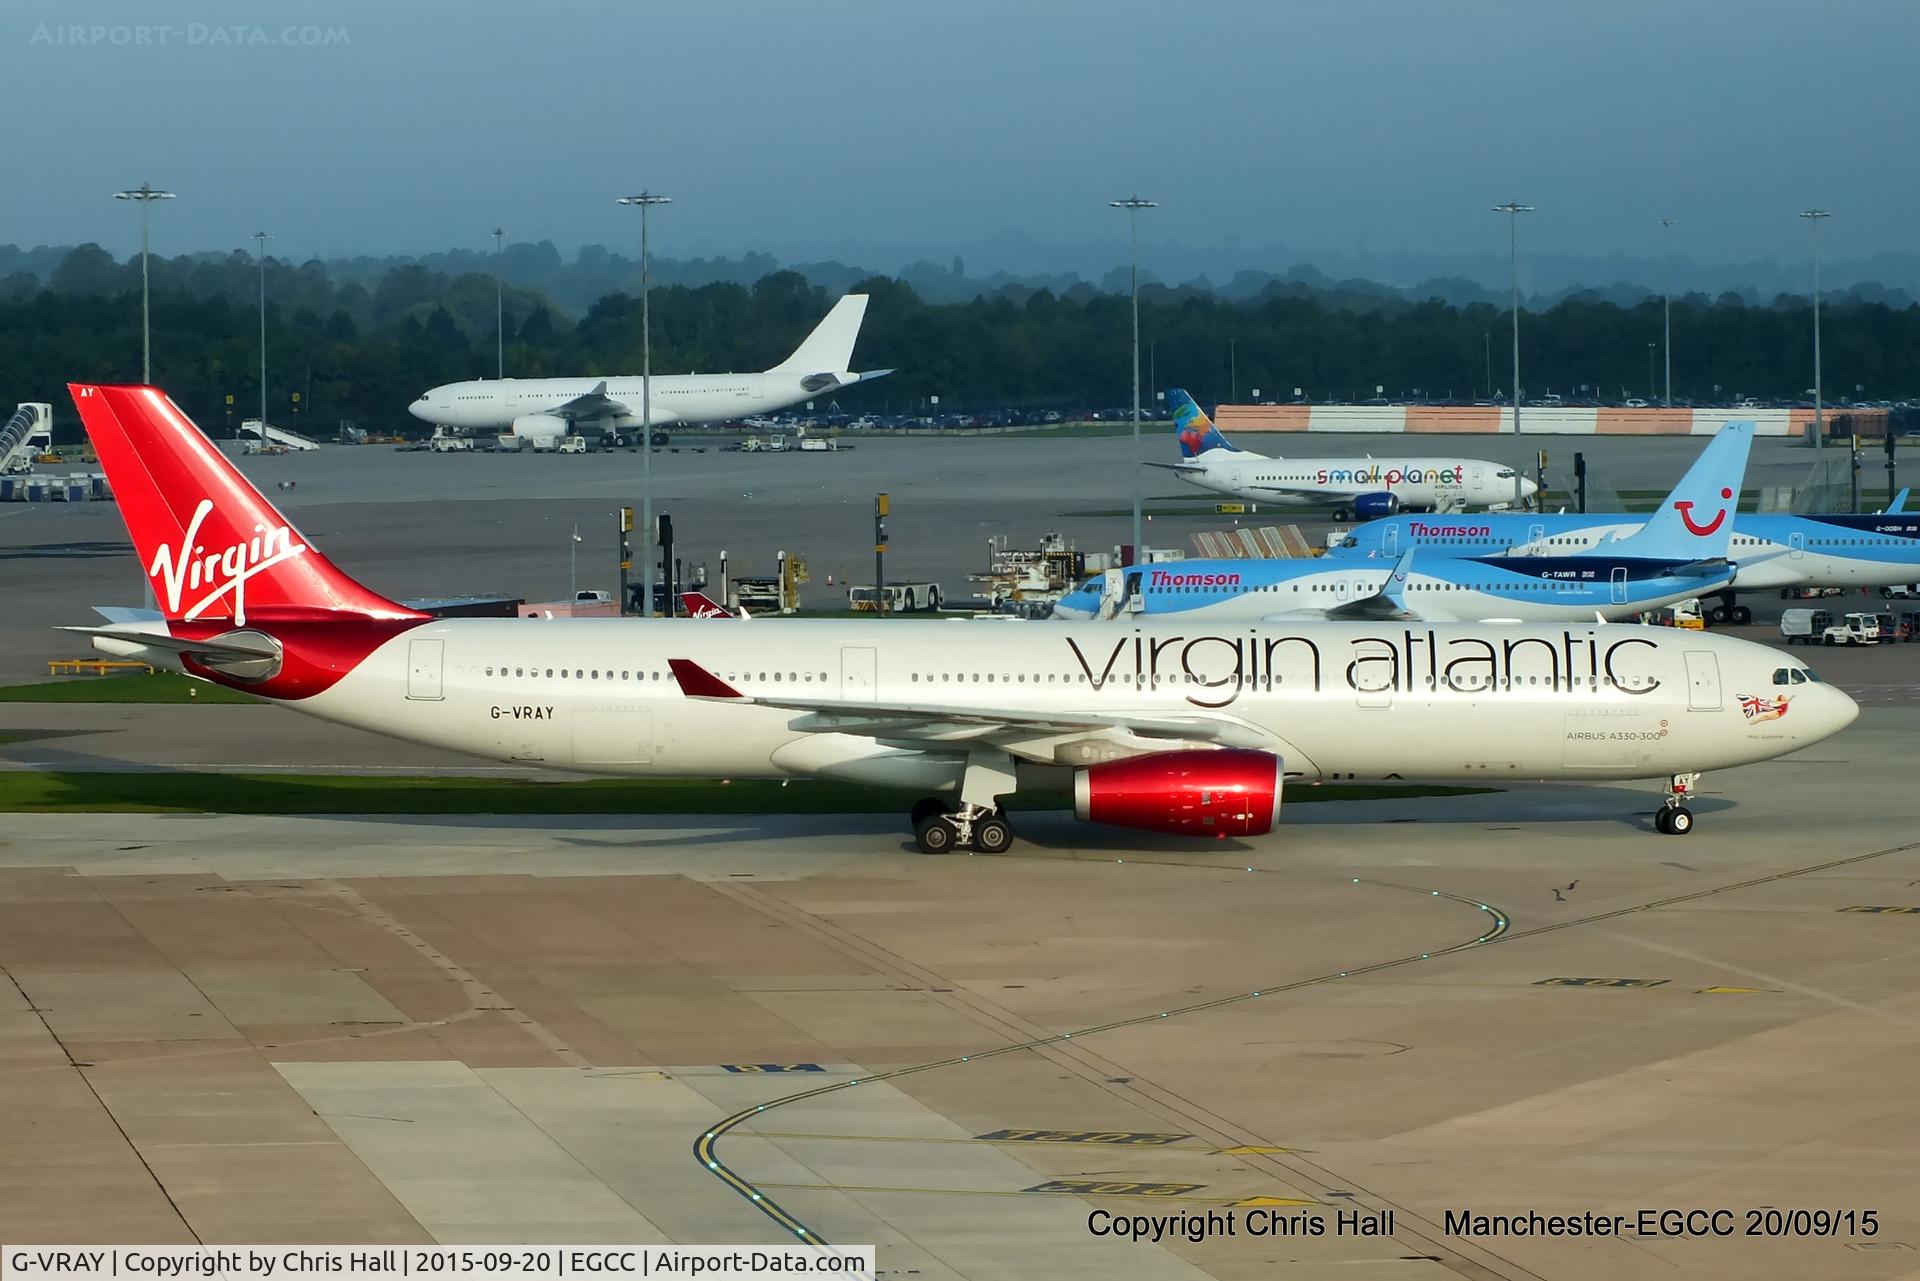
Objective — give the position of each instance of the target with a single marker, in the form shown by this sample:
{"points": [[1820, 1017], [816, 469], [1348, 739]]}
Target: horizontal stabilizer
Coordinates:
{"points": [[219, 647]]}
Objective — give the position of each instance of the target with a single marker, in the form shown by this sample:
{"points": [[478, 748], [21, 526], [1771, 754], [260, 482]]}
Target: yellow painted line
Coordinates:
{"points": [[1250, 1149], [1733, 991], [1188, 1200], [987, 1142], [1253, 1201], [706, 1149]]}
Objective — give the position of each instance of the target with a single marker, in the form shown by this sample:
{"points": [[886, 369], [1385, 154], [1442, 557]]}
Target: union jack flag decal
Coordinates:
{"points": [[1759, 707]]}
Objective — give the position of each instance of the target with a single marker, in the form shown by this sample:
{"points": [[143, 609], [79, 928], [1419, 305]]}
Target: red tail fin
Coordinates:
{"points": [[212, 546], [701, 605]]}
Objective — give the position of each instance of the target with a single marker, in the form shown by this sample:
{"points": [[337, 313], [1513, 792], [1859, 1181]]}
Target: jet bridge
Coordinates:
{"points": [[27, 434]]}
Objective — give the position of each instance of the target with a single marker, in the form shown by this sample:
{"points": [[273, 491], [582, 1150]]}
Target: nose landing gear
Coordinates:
{"points": [[1673, 818]]}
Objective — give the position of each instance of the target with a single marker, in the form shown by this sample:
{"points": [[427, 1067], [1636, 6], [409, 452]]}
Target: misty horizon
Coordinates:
{"points": [[1365, 140]]}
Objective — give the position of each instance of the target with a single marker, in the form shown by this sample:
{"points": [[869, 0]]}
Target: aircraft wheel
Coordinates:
{"points": [[936, 835], [992, 835], [1341, 513], [925, 808], [1679, 821], [1742, 615], [1717, 615], [1660, 821]]}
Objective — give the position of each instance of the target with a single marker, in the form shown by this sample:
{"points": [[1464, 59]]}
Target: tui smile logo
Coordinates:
{"points": [[1685, 507]]}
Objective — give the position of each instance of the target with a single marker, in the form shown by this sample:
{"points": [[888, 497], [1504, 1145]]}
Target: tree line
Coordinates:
{"points": [[363, 349]]}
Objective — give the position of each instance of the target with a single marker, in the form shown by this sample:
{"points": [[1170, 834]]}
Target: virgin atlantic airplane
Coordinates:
{"points": [[1169, 726]]}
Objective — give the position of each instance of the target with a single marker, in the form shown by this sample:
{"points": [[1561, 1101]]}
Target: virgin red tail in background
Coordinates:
{"points": [[211, 545]]}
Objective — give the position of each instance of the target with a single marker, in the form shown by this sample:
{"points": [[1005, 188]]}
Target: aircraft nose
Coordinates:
{"points": [[421, 409], [1842, 710]]}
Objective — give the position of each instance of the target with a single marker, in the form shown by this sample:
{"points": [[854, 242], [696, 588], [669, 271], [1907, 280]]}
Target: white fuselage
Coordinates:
{"points": [[1444, 591], [1368, 700], [1437, 484], [494, 405], [1771, 551]]}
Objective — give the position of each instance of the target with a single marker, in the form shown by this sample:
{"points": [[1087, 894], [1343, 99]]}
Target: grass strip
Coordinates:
{"points": [[176, 792]]}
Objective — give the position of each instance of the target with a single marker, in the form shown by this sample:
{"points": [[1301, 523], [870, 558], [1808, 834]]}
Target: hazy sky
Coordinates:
{"points": [[879, 130]]}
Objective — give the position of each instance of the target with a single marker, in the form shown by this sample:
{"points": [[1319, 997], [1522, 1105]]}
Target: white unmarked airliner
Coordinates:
{"points": [[1173, 727], [537, 412]]}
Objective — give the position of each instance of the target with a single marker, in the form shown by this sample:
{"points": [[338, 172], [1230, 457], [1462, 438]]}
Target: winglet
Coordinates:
{"points": [[697, 682], [1898, 507], [1395, 587]]}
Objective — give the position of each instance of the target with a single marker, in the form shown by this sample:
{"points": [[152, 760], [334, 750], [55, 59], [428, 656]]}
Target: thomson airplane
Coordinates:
{"points": [[1358, 487], [1164, 726], [537, 412], [1773, 550], [1674, 557]]}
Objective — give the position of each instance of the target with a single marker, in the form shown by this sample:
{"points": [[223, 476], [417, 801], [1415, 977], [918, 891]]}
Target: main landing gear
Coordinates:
{"points": [[1726, 609], [975, 827], [979, 824], [1673, 818]]}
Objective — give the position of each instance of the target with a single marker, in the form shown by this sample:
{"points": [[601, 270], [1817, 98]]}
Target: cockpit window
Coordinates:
{"points": [[1795, 676], [1505, 473], [1350, 541]]}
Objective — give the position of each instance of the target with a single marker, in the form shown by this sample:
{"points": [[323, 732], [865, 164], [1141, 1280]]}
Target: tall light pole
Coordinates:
{"points": [[1133, 205], [1666, 291], [144, 195], [499, 308], [1233, 370], [1813, 217], [1513, 209], [261, 238], [646, 200]]}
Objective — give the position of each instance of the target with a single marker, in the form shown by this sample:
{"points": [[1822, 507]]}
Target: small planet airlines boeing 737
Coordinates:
{"points": [[1356, 487], [537, 412], [1172, 727]]}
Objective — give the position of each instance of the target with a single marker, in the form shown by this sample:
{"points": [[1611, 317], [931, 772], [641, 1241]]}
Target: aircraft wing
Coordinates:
{"points": [[1387, 604], [1034, 736], [1295, 491], [596, 405]]}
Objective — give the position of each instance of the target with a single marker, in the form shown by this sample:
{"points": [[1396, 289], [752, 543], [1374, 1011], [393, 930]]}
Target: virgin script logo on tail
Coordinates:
{"points": [[191, 568], [1685, 507]]}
